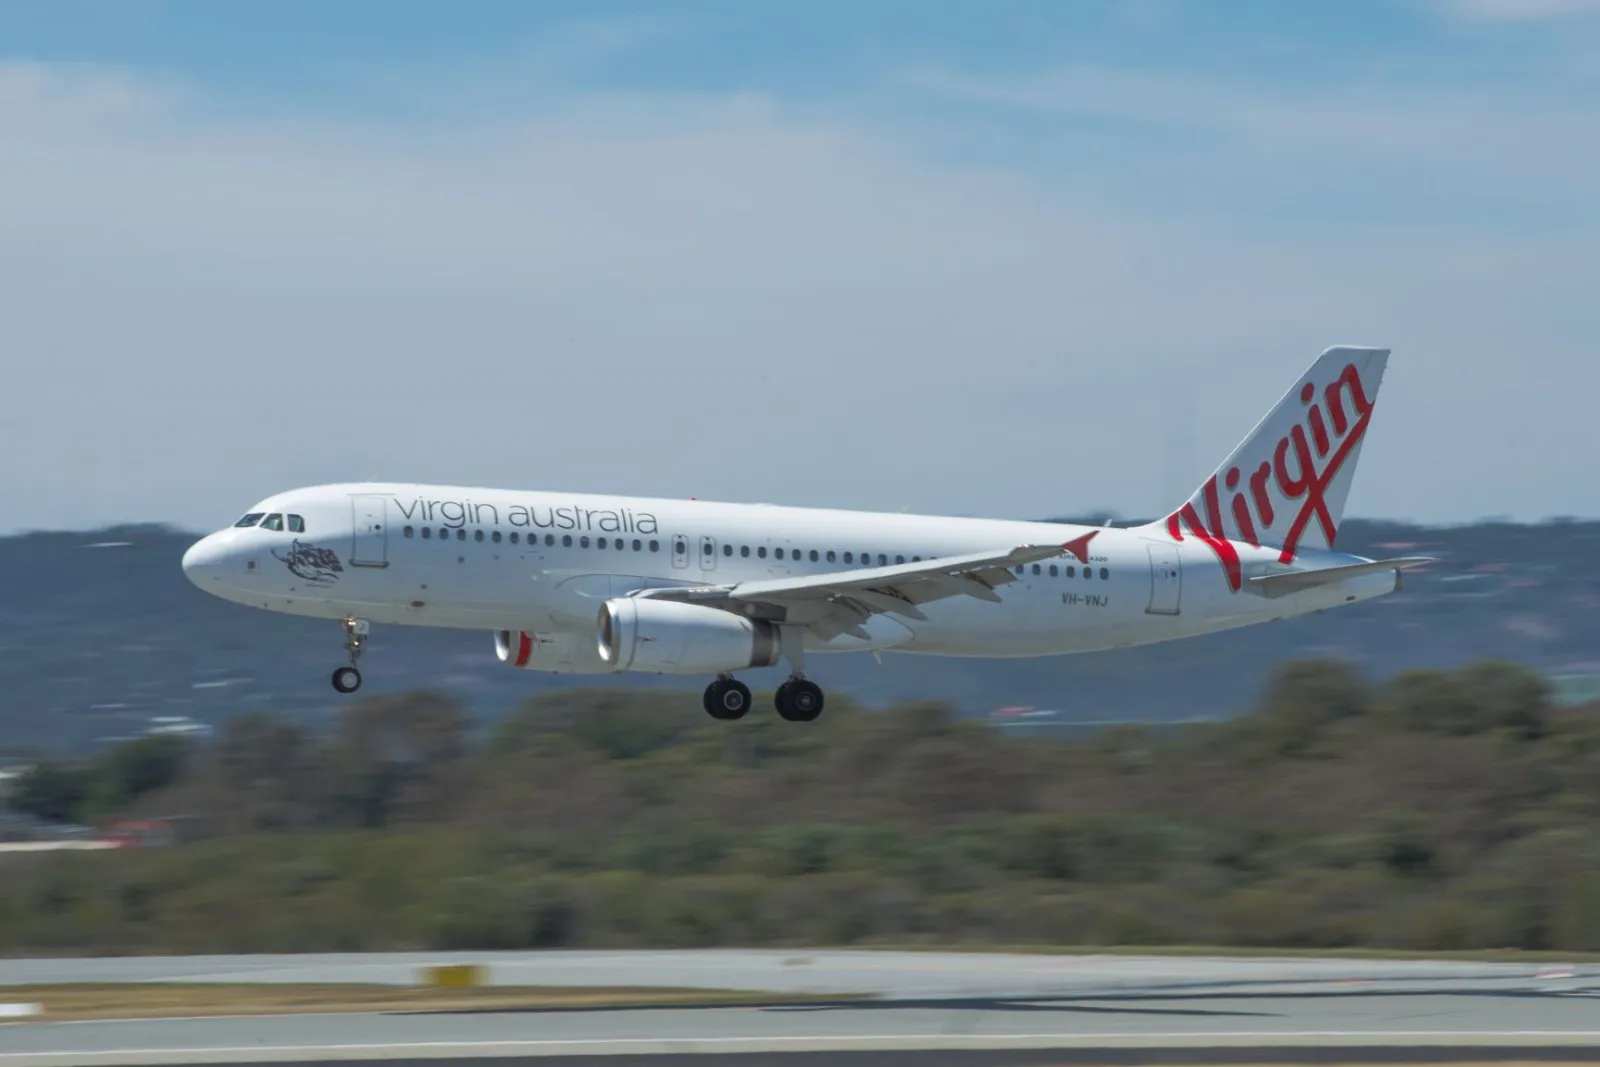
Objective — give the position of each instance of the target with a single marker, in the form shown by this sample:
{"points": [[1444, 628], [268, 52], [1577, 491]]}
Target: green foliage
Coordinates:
{"points": [[1437, 811], [52, 792]]}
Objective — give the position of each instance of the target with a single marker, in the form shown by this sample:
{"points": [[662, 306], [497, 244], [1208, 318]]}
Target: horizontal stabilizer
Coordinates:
{"points": [[1276, 585]]}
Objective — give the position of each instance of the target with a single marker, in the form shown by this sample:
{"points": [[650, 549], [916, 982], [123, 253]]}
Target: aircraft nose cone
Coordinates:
{"points": [[203, 561]]}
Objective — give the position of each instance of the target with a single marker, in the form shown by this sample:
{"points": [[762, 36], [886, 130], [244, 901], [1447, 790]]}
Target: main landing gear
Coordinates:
{"points": [[348, 679], [798, 700]]}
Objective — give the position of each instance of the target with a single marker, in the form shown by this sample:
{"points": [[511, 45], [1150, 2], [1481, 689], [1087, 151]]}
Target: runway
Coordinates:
{"points": [[884, 974], [927, 1010]]}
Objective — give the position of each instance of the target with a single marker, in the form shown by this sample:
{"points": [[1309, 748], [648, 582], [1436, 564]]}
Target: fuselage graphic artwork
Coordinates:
{"points": [[308, 562], [593, 584]]}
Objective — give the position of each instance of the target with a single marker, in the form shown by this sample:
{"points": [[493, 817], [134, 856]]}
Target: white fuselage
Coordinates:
{"points": [[544, 563]]}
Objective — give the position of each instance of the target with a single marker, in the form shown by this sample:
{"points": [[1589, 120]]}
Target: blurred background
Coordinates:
{"points": [[1022, 259]]}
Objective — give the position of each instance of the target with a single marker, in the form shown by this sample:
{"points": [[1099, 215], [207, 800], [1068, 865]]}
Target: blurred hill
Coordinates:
{"points": [[100, 633]]}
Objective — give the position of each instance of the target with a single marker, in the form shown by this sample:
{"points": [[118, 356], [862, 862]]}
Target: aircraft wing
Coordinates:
{"points": [[838, 601]]}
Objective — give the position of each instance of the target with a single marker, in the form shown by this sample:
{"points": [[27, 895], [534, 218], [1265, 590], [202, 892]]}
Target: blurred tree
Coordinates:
{"points": [[51, 791], [132, 769], [1307, 697]]}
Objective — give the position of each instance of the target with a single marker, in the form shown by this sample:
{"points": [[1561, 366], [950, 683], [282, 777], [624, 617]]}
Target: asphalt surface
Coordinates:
{"points": [[888, 974], [928, 1011]]}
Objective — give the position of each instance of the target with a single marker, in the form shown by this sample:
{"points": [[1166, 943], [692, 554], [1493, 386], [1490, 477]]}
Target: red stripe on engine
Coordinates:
{"points": [[524, 649]]}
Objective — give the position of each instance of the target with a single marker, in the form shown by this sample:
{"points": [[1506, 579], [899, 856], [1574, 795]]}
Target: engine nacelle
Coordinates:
{"points": [[559, 653], [670, 637]]}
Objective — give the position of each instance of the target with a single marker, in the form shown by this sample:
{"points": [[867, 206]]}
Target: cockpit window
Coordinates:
{"points": [[297, 524], [250, 519], [272, 522]]}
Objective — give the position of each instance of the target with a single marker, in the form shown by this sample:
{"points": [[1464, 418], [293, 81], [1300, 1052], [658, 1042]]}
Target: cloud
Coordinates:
{"points": [[1506, 11], [727, 296], [1497, 139]]}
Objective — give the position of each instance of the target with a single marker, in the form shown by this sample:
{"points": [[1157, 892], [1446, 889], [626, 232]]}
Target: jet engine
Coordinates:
{"points": [[669, 637], [559, 653]]}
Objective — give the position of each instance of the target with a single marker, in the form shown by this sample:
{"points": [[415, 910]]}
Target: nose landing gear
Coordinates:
{"points": [[348, 679]]}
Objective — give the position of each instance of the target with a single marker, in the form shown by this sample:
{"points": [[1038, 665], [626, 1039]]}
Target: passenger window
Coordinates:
{"points": [[762, 551], [461, 533], [297, 524], [477, 535], [777, 553], [583, 542], [1088, 572], [831, 556], [744, 550], [849, 557], [408, 531], [1036, 568], [272, 522], [566, 540], [814, 555], [727, 550], [516, 537], [1104, 573], [250, 519], [599, 542], [495, 537], [638, 545], [899, 560], [620, 544], [444, 535], [427, 533], [916, 559], [1072, 572], [1054, 571], [655, 546]]}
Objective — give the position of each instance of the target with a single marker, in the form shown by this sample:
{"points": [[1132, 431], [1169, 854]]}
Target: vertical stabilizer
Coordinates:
{"points": [[1285, 487]]}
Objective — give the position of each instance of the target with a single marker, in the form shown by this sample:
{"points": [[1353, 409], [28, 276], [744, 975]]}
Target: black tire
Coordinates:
{"points": [[347, 679], [734, 699], [799, 700], [727, 699], [805, 701]]}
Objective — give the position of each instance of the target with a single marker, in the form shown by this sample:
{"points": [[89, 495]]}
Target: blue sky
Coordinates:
{"points": [[933, 241]]}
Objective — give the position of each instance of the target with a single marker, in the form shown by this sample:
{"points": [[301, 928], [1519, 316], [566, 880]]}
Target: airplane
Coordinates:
{"points": [[596, 584]]}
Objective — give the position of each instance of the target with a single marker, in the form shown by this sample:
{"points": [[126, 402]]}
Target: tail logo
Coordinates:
{"points": [[1294, 471]]}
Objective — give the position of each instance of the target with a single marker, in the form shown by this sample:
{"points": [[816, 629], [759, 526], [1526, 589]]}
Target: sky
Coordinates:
{"points": [[1026, 258]]}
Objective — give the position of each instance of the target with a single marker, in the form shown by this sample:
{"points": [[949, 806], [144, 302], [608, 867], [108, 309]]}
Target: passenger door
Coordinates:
{"points": [[369, 524], [1166, 579]]}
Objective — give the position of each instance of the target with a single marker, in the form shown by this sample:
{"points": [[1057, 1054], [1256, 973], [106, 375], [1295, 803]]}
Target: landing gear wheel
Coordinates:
{"points": [[347, 679], [727, 699], [799, 700]]}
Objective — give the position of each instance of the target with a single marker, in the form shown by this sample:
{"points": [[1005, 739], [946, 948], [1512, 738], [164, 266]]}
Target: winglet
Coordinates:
{"points": [[1079, 546]]}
